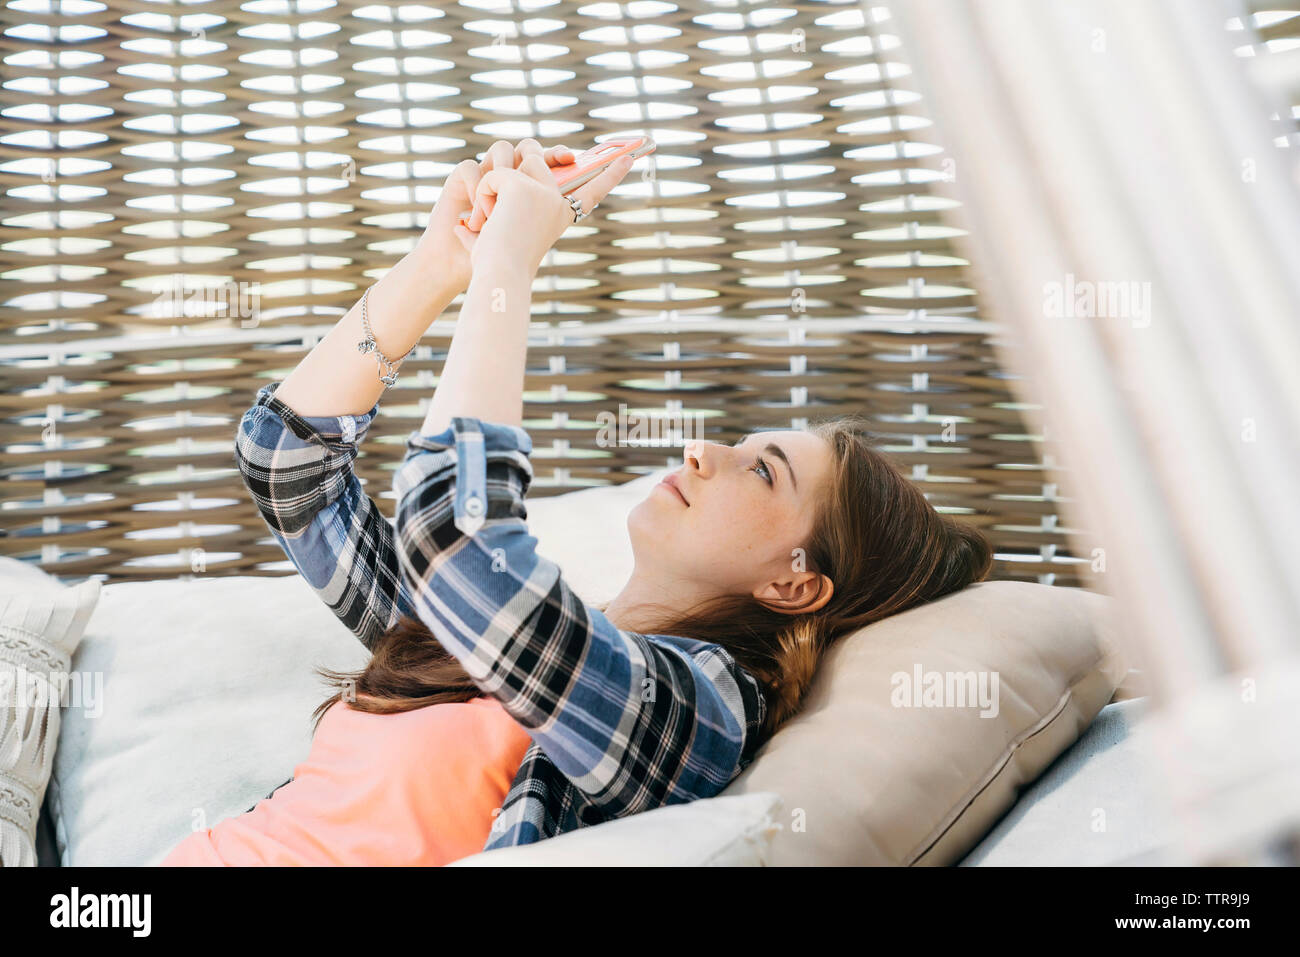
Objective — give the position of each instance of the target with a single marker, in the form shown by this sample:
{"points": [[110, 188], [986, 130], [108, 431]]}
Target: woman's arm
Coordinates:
{"points": [[633, 721], [296, 449], [296, 446], [299, 472], [335, 378], [483, 376]]}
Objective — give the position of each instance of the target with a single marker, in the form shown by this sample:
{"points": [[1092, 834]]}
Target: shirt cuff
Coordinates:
{"points": [[332, 429], [473, 440]]}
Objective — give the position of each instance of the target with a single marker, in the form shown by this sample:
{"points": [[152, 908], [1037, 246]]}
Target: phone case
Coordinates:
{"points": [[587, 165]]}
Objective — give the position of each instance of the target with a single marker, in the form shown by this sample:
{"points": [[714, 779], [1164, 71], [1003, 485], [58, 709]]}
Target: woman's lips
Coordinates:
{"points": [[670, 481]]}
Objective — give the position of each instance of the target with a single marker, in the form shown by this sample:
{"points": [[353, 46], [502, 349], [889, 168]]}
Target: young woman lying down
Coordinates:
{"points": [[498, 708]]}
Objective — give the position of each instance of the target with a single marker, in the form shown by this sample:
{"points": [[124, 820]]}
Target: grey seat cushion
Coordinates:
{"points": [[1100, 804]]}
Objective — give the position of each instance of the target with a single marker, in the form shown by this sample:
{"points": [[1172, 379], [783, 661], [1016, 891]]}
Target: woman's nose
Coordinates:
{"points": [[698, 457]]}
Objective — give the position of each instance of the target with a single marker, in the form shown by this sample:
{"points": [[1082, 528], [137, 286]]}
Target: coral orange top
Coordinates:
{"points": [[413, 788]]}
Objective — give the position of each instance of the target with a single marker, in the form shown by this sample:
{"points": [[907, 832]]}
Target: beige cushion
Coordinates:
{"points": [[41, 624], [865, 781]]}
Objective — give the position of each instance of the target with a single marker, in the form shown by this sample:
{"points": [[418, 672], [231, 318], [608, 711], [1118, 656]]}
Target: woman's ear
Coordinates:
{"points": [[800, 594]]}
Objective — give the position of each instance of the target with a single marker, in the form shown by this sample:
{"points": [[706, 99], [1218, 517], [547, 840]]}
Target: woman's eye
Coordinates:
{"points": [[761, 468]]}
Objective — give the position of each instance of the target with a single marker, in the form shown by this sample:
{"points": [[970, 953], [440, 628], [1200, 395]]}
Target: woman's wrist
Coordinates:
{"points": [[507, 260], [503, 285], [415, 292], [440, 262], [337, 377]]}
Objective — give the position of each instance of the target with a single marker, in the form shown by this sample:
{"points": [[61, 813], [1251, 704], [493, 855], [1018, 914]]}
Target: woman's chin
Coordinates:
{"points": [[647, 516], [639, 509]]}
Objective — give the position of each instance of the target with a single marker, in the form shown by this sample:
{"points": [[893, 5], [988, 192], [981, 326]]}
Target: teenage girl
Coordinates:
{"points": [[498, 708]]}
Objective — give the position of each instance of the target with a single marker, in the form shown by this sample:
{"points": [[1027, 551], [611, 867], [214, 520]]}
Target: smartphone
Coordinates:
{"points": [[588, 165]]}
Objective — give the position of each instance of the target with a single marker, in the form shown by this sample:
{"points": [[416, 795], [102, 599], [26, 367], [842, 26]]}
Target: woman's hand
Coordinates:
{"points": [[443, 248], [527, 211]]}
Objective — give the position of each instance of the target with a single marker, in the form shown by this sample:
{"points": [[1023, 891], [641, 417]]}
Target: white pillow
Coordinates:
{"points": [[208, 693], [585, 533], [717, 832], [41, 622]]}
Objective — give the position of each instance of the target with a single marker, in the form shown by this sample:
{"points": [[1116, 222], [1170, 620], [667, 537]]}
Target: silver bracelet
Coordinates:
{"points": [[368, 344]]}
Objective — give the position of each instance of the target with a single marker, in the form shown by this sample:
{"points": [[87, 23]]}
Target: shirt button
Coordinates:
{"points": [[349, 428], [473, 506]]}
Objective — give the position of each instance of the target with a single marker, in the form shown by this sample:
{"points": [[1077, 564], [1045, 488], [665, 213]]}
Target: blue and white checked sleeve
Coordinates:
{"points": [[299, 471], [634, 721]]}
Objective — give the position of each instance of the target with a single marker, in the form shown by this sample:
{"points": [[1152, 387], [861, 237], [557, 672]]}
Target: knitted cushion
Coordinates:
{"points": [[41, 623]]}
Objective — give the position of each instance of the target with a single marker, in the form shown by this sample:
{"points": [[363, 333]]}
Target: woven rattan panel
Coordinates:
{"points": [[779, 259]]}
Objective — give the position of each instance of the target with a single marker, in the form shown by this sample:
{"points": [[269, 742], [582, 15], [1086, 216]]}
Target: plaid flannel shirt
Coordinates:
{"points": [[621, 722]]}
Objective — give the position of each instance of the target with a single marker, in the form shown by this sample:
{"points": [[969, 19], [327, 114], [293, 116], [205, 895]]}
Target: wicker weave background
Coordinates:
{"points": [[298, 146]]}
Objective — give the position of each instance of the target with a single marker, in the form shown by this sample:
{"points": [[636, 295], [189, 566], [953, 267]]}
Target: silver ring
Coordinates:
{"points": [[578, 213]]}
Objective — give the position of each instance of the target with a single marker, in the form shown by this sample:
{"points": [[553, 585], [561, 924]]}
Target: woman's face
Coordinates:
{"points": [[729, 520]]}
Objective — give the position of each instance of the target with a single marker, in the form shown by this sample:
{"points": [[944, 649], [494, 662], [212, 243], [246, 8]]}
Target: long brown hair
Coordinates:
{"points": [[881, 543]]}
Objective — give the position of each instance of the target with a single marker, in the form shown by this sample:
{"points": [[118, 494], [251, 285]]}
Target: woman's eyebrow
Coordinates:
{"points": [[776, 450]]}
